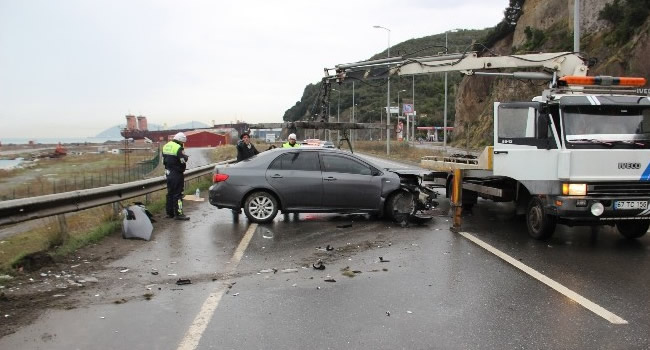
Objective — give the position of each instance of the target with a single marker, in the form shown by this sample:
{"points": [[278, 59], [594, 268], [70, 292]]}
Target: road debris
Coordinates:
{"points": [[381, 259], [409, 312], [289, 270], [182, 281], [344, 226], [172, 274], [388, 313], [236, 294], [318, 266], [330, 280], [124, 270], [268, 271], [154, 273], [328, 248]]}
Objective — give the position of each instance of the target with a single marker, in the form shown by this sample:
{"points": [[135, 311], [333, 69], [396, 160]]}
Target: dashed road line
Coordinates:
{"points": [[586, 303], [193, 335]]}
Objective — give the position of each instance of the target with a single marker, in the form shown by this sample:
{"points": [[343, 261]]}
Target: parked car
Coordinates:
{"points": [[309, 180], [327, 144]]}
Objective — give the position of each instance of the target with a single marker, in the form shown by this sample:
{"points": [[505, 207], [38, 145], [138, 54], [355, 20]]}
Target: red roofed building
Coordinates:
{"points": [[205, 138]]}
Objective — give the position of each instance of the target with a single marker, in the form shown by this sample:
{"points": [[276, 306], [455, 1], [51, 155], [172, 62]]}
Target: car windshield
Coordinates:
{"points": [[604, 124]]}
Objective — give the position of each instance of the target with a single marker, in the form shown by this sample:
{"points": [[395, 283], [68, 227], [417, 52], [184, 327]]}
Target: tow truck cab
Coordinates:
{"points": [[577, 159]]}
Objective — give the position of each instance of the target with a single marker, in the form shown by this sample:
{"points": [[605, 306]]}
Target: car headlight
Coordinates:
{"points": [[574, 189]]}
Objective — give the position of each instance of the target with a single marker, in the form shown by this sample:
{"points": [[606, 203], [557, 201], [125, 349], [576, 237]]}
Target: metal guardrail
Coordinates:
{"points": [[25, 209]]}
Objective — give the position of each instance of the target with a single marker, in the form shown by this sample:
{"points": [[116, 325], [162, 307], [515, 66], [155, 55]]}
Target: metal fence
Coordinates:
{"points": [[108, 177]]}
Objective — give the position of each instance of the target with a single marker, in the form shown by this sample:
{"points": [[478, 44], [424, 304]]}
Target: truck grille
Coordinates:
{"points": [[619, 188]]}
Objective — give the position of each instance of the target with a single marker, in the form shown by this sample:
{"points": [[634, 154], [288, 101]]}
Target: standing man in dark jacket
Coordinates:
{"points": [[175, 162], [245, 148]]}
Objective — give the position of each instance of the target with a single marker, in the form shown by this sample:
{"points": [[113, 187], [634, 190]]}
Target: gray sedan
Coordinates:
{"points": [[305, 180]]}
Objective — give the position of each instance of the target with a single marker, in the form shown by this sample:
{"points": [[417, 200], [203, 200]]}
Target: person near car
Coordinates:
{"points": [[175, 161], [245, 149], [291, 142]]}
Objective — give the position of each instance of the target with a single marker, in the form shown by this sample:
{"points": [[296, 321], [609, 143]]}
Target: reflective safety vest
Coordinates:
{"points": [[288, 145], [171, 148]]}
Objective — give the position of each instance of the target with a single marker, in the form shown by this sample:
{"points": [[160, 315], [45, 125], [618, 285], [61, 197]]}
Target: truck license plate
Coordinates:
{"points": [[618, 205]]}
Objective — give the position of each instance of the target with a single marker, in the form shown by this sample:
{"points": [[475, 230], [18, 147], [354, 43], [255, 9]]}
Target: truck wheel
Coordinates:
{"points": [[540, 224], [632, 229], [260, 207], [400, 206]]}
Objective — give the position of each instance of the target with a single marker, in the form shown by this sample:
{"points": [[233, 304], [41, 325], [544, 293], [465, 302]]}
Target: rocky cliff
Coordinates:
{"points": [[550, 28]]}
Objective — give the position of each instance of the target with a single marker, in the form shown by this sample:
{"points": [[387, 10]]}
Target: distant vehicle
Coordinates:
{"points": [[327, 144], [317, 180]]}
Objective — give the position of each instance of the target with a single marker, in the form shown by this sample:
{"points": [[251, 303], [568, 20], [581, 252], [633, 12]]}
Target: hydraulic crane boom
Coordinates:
{"points": [[553, 66]]}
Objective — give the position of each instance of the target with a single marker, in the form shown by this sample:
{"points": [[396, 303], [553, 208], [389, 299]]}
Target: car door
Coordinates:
{"points": [[296, 177], [349, 183]]}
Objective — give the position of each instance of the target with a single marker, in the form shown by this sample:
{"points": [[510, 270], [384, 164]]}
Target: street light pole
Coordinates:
{"points": [[444, 130], [387, 96], [353, 108]]}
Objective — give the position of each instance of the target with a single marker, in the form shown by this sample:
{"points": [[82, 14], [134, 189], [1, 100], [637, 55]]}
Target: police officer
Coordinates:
{"points": [[175, 162], [291, 142]]}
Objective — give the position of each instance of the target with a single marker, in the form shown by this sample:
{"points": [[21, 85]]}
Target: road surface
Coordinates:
{"points": [[416, 287]]}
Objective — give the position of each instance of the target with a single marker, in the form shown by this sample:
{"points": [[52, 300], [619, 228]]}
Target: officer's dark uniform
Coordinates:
{"points": [[175, 161]]}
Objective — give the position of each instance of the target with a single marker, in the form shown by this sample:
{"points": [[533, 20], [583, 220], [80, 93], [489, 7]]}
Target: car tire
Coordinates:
{"points": [[633, 229], [260, 207], [540, 224], [400, 206]]}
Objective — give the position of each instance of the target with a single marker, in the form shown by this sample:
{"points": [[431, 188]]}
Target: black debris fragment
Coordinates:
{"points": [[388, 313], [328, 248], [319, 265], [381, 259], [344, 226], [330, 280], [182, 281], [154, 273]]}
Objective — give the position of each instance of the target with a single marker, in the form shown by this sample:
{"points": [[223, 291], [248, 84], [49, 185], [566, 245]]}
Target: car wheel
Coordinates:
{"points": [[633, 228], [540, 224], [400, 206], [260, 207]]}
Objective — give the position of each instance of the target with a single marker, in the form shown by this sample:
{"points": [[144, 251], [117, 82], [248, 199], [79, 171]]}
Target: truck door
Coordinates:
{"points": [[525, 145]]}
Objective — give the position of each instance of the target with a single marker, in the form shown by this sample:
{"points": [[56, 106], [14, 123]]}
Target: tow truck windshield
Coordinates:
{"points": [[607, 126]]}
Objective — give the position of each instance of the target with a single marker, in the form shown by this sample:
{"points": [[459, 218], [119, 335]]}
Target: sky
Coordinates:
{"points": [[73, 68]]}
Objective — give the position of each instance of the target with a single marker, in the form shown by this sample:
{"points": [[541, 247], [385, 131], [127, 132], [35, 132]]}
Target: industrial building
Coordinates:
{"points": [[205, 138]]}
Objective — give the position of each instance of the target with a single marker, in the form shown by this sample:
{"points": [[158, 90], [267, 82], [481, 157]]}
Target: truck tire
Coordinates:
{"points": [[260, 207], [400, 206], [540, 224], [632, 229]]}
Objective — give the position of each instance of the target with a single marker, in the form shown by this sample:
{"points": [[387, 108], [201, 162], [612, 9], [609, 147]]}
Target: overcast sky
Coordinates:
{"points": [[72, 68]]}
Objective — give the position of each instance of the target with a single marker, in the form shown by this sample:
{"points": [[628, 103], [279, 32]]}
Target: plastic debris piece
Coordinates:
{"points": [[266, 271], [236, 294], [154, 273], [58, 295], [318, 266], [330, 280], [102, 317], [409, 312], [344, 226], [381, 259], [328, 248], [125, 270], [295, 284], [182, 281], [387, 313], [43, 275], [289, 270], [172, 274], [317, 287]]}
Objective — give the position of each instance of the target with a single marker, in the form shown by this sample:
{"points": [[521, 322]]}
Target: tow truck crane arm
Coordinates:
{"points": [[553, 66]]}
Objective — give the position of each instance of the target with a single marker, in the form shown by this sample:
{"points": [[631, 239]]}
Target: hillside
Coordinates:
{"points": [[370, 97], [614, 34]]}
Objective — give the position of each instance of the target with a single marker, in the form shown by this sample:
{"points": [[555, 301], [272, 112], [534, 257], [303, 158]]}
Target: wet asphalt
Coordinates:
{"points": [[434, 290]]}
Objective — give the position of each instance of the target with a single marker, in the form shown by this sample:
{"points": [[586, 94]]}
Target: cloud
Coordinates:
{"points": [[89, 63]]}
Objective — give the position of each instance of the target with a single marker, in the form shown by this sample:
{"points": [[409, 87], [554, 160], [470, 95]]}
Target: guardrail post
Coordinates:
{"points": [[63, 227], [457, 200], [116, 210]]}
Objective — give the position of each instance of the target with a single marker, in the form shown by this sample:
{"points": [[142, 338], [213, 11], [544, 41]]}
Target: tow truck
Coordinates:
{"points": [[577, 154]]}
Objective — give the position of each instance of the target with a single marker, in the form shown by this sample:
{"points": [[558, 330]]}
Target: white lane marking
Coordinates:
{"points": [[193, 335], [588, 304]]}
